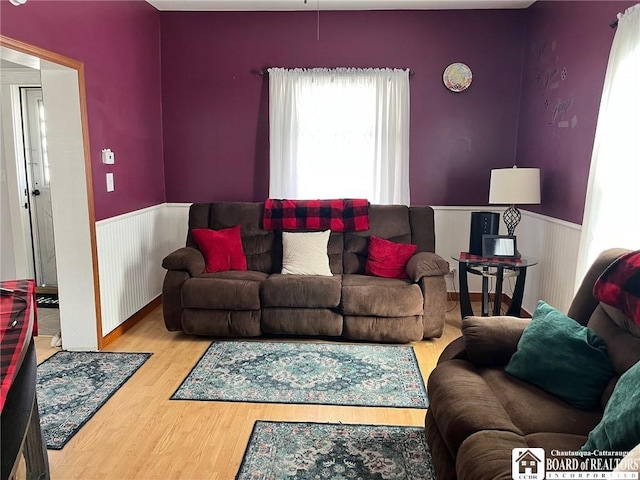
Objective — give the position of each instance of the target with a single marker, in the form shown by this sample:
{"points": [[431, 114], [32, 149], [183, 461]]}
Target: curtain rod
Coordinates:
{"points": [[614, 24], [265, 71]]}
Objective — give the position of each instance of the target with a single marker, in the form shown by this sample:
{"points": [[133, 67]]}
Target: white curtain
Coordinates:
{"points": [[339, 133], [612, 208]]}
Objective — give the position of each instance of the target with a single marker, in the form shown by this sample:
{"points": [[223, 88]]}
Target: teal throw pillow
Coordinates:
{"points": [[619, 429], [564, 358]]}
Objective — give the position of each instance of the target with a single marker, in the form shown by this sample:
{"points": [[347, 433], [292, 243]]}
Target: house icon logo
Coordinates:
{"points": [[527, 464]]}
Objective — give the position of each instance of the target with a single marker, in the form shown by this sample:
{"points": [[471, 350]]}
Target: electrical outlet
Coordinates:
{"points": [[452, 272]]}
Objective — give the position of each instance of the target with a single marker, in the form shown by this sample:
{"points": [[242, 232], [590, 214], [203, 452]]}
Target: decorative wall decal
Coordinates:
{"points": [[548, 76], [554, 86], [560, 108], [545, 48]]}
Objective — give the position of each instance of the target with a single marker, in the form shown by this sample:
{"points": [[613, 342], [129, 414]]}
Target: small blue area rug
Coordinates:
{"points": [[307, 373], [72, 386], [284, 450]]}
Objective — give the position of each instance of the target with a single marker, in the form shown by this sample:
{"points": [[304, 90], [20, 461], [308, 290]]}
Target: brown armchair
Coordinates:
{"points": [[478, 413]]}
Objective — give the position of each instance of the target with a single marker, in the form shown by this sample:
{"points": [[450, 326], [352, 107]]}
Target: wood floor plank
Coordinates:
{"points": [[141, 434]]}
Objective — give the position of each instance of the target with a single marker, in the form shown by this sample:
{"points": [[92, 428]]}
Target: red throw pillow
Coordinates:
{"points": [[222, 249], [388, 259]]}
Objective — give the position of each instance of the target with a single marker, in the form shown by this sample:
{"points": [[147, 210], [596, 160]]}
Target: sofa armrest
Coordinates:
{"points": [[426, 264], [186, 259], [455, 350], [491, 341]]}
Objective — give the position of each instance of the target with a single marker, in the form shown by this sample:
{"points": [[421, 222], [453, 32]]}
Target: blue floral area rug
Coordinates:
{"points": [[284, 450], [72, 386], [307, 373]]}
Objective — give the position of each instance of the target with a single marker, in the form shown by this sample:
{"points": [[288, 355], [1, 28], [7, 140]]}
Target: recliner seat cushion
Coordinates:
{"points": [[232, 290], [301, 291], [533, 410], [381, 297], [466, 399], [475, 460]]}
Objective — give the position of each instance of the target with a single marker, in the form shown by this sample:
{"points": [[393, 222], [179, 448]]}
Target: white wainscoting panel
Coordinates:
{"points": [[131, 248], [554, 243], [176, 225], [130, 252]]}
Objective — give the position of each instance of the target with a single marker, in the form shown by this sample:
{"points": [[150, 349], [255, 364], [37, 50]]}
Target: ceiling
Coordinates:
{"points": [[301, 5]]}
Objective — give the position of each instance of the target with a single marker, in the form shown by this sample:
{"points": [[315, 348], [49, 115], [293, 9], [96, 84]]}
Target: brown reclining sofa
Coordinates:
{"points": [[349, 304]]}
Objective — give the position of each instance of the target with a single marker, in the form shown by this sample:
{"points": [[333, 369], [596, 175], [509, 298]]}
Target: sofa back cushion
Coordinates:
{"points": [[619, 333], [256, 242], [198, 218], [623, 345], [347, 251], [423, 232], [622, 338], [390, 222]]}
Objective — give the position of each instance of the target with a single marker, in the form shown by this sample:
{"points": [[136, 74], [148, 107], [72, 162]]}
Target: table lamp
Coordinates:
{"points": [[511, 186]]}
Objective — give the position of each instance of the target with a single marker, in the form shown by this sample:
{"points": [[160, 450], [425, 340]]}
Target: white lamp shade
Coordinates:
{"points": [[511, 186]]}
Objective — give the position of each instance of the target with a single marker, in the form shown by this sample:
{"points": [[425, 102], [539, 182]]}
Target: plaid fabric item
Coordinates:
{"points": [[355, 214], [343, 215], [466, 256], [619, 285], [14, 329]]}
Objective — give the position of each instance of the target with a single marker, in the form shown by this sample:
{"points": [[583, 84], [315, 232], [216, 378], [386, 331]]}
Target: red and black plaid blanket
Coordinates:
{"points": [[470, 257], [343, 215], [619, 285], [15, 329]]}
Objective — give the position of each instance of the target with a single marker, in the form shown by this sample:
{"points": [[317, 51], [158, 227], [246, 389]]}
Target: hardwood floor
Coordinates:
{"points": [[141, 434]]}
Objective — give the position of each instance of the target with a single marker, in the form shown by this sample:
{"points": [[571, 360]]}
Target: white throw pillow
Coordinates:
{"points": [[305, 253]]}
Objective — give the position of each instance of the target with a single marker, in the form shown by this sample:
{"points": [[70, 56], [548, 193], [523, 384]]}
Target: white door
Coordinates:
{"points": [[38, 191]]}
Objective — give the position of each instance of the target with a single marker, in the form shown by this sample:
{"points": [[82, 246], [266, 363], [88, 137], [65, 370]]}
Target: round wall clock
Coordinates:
{"points": [[457, 77]]}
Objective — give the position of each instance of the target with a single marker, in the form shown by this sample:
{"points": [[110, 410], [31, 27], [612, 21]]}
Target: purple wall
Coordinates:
{"points": [[565, 61], [215, 111], [119, 43]]}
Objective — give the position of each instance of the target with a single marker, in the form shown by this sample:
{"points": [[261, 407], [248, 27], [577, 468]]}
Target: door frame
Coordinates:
{"points": [[64, 91]]}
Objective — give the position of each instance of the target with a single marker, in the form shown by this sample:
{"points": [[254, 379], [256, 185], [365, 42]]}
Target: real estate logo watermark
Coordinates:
{"points": [[534, 464], [527, 463]]}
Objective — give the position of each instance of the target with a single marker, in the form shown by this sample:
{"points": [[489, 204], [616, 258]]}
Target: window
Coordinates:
{"points": [[339, 133], [613, 196]]}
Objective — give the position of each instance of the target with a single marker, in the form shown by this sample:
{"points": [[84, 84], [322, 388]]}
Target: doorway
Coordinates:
{"points": [[38, 190], [67, 142]]}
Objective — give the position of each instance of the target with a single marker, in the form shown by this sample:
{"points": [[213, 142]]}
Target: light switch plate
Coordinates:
{"points": [[110, 186]]}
